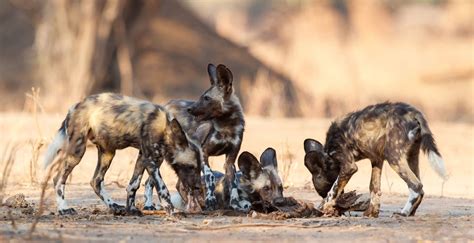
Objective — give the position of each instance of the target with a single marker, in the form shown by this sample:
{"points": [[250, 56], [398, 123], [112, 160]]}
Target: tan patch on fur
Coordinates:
{"points": [[274, 172], [160, 123], [261, 181], [186, 157]]}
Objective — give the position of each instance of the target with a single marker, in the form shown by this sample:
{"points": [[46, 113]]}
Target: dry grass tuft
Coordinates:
{"points": [[8, 159], [44, 185], [288, 158], [36, 149]]}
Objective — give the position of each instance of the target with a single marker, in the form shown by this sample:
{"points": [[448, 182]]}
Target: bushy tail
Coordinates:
{"points": [[428, 145], [57, 144]]}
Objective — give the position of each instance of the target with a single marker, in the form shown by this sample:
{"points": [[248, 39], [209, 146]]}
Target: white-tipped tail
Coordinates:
{"points": [[54, 148], [438, 164]]}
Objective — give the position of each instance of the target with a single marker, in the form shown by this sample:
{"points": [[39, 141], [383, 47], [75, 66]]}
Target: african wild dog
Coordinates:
{"points": [[215, 121], [394, 132], [111, 122], [256, 181]]}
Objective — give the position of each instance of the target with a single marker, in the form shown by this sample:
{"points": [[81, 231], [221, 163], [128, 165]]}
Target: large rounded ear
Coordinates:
{"points": [[314, 162], [202, 132], [179, 137], [212, 71], [224, 78], [312, 145], [268, 158], [249, 165]]}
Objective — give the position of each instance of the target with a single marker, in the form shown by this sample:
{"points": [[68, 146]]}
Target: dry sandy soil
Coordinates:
{"points": [[445, 214]]}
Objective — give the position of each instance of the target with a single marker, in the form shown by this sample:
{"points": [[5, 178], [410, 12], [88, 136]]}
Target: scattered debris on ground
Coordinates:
{"points": [[292, 208], [17, 201]]}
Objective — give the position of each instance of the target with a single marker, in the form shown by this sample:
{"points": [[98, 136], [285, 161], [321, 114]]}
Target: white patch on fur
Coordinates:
{"points": [[207, 172], [148, 195], [53, 148], [106, 198], [245, 205], [375, 198], [408, 206], [160, 185], [135, 184], [412, 134], [261, 181], [437, 163], [186, 157], [178, 201], [332, 192], [234, 194], [61, 203], [235, 140]]}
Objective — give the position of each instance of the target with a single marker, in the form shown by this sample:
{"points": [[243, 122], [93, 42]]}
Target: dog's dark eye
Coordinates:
{"points": [[207, 98], [266, 188]]}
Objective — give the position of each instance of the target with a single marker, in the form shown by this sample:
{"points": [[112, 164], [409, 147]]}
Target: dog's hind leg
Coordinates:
{"points": [[412, 158], [71, 159], [97, 182], [414, 186], [413, 163]]}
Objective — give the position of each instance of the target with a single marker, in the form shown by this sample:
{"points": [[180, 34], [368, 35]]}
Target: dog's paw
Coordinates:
{"points": [[117, 209], [67, 211], [371, 212], [134, 212], [211, 203], [399, 214], [149, 208], [245, 206]]}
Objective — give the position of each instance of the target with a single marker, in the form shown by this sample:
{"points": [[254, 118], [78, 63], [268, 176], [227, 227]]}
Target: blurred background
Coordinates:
{"points": [[297, 65], [290, 58]]}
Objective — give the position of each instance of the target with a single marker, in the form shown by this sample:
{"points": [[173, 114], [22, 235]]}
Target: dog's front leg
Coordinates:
{"points": [[134, 185], [347, 170], [232, 182], [153, 170]]}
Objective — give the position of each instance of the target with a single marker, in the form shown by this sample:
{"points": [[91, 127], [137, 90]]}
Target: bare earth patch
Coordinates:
{"points": [[437, 219]]}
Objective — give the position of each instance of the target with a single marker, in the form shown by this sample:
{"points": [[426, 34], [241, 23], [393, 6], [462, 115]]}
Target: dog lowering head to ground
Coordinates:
{"points": [[257, 182], [394, 132], [216, 122], [112, 122]]}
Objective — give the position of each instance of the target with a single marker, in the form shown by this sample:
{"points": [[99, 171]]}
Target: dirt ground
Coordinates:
{"points": [[445, 214], [437, 219]]}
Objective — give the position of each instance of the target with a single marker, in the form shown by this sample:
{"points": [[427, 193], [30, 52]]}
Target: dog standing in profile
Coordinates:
{"points": [[112, 122], [257, 182], [216, 122], [394, 132]]}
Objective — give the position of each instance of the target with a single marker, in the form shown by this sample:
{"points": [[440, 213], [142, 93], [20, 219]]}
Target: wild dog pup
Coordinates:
{"points": [[216, 122], [256, 181], [111, 122], [394, 132]]}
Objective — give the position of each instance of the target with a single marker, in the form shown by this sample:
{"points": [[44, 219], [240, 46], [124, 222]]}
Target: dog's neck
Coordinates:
{"points": [[232, 117]]}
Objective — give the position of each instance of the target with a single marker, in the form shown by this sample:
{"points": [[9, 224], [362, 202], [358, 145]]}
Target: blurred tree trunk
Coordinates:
{"points": [[83, 44]]}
